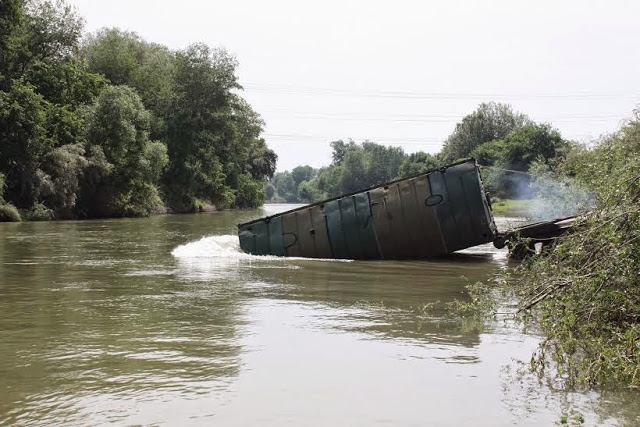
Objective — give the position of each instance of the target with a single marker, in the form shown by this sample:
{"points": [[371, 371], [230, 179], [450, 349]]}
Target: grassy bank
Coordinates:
{"points": [[511, 207]]}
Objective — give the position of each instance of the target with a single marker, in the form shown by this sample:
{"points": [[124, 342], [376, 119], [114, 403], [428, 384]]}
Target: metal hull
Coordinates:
{"points": [[427, 215]]}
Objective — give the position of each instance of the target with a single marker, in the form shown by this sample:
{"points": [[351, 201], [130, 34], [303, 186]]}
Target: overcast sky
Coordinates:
{"points": [[404, 72]]}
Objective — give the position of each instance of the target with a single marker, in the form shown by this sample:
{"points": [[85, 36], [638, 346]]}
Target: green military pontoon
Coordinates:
{"points": [[426, 215]]}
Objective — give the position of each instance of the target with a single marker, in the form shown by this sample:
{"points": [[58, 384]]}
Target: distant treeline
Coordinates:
{"points": [[494, 134], [108, 124]]}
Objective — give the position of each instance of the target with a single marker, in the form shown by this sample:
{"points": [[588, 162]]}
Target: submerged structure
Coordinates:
{"points": [[426, 215]]}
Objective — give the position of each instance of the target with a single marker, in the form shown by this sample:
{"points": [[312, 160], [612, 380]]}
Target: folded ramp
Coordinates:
{"points": [[426, 215]]}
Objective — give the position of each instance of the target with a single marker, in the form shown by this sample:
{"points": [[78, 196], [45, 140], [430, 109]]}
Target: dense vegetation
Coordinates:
{"points": [[494, 134], [112, 125], [353, 167], [587, 290]]}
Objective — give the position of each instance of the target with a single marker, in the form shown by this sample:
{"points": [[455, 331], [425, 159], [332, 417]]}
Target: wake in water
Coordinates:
{"points": [[227, 248], [221, 257], [211, 247]]}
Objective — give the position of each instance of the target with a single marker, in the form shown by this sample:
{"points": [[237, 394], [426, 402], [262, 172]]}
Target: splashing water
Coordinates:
{"points": [[226, 247]]}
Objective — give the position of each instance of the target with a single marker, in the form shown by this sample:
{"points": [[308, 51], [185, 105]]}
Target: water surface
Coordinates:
{"points": [[163, 320]]}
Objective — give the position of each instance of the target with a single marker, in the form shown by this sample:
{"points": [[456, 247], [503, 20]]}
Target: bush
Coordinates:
{"points": [[38, 212], [9, 213], [587, 291]]}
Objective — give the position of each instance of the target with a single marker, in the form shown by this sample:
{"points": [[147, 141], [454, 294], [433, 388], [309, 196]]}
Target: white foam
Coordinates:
{"points": [[211, 247], [227, 248]]}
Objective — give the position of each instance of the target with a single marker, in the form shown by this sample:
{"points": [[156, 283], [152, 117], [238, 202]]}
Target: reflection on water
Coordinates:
{"points": [[143, 321]]}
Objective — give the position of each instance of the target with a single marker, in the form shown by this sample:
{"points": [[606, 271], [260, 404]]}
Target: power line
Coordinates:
{"points": [[424, 120], [310, 138], [417, 115], [308, 90]]}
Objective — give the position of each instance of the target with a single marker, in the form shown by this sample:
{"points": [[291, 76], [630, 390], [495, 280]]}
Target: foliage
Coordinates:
{"points": [[213, 135], [517, 152], [168, 123], [293, 187], [38, 212], [126, 59], [418, 162], [358, 166], [491, 121], [9, 213], [118, 123], [588, 289]]}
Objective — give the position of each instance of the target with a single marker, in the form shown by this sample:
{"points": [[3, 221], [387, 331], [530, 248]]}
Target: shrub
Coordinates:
{"points": [[9, 213]]}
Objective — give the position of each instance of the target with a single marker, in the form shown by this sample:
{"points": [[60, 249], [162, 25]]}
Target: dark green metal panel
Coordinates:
{"points": [[355, 222], [459, 207], [403, 245], [276, 245], [443, 211], [304, 234], [365, 225], [339, 246], [247, 243], [290, 235], [322, 248], [483, 226], [428, 227], [263, 237], [349, 227], [411, 217], [256, 237], [382, 223], [305, 239]]}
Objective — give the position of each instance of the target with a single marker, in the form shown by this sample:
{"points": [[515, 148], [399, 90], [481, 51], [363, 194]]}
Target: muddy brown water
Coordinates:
{"points": [[164, 321]]}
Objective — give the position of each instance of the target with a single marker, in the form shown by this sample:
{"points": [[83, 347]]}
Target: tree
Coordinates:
{"points": [[72, 146], [269, 191], [126, 59], [489, 122], [43, 87], [517, 152], [302, 173], [213, 134], [416, 163], [118, 124]]}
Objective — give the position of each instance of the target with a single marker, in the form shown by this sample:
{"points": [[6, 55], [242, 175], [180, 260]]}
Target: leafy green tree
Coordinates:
{"points": [[517, 152], [213, 134], [308, 192], [302, 173], [382, 163], [8, 212], [69, 146], [43, 88], [269, 191], [587, 290], [126, 59], [418, 162], [286, 187], [118, 124], [340, 150], [489, 122], [61, 178]]}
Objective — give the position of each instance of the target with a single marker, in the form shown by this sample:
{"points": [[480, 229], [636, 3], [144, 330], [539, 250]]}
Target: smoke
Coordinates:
{"points": [[547, 196], [557, 197]]}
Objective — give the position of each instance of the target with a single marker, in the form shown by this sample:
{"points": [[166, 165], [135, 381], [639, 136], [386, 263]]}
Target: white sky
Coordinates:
{"points": [[404, 72]]}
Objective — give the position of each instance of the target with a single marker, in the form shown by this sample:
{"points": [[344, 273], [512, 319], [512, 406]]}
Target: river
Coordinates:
{"points": [[164, 320]]}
